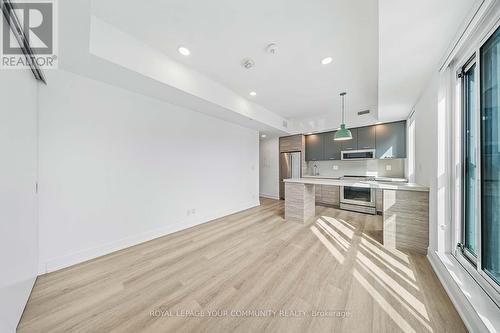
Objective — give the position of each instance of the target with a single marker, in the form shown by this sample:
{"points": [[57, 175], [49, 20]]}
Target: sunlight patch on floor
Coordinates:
{"points": [[349, 233], [402, 304], [389, 282], [388, 308], [334, 234], [396, 253], [333, 250], [379, 260], [388, 258]]}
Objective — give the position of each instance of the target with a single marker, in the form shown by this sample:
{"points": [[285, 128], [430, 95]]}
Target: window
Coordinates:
{"points": [[469, 158], [490, 156], [480, 219]]}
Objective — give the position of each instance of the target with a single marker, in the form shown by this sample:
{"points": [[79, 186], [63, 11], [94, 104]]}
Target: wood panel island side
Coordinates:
{"points": [[405, 210]]}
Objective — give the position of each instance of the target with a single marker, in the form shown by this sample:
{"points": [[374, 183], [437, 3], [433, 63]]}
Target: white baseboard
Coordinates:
{"points": [[450, 273], [92, 253], [269, 196]]}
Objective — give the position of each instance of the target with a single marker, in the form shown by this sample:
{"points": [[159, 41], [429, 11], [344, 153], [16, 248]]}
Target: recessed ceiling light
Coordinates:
{"points": [[309, 133], [263, 136], [247, 63], [326, 60], [253, 93], [184, 51]]}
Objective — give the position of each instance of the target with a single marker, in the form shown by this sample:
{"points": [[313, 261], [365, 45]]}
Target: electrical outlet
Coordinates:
{"points": [[335, 167], [388, 167], [193, 211]]}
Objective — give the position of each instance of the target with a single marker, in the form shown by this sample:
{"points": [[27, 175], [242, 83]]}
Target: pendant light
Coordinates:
{"points": [[343, 133]]}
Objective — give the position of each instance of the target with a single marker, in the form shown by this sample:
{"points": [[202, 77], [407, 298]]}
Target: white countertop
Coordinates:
{"points": [[320, 177], [382, 179], [377, 184]]}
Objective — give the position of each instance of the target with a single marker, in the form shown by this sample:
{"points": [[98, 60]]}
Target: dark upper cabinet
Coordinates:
{"points": [[331, 148], [353, 143], [314, 147], [391, 140], [366, 137]]}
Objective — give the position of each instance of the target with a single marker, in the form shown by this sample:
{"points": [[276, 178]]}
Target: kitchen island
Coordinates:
{"points": [[405, 211]]}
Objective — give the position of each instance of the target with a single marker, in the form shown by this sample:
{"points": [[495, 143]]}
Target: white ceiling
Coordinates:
{"points": [[414, 37], [293, 83]]}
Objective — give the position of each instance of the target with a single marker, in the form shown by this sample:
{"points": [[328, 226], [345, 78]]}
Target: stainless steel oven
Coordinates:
{"points": [[362, 196], [359, 199]]}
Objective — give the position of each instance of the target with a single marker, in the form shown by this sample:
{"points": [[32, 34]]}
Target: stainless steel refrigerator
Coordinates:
{"points": [[290, 167]]}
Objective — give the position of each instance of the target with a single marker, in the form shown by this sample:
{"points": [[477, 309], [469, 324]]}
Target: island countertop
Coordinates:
{"points": [[360, 183]]}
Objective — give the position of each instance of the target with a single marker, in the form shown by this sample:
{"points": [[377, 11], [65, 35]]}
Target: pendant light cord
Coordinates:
{"points": [[342, 95]]}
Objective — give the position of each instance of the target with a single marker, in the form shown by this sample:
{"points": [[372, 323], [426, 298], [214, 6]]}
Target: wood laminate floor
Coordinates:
{"points": [[249, 272]]}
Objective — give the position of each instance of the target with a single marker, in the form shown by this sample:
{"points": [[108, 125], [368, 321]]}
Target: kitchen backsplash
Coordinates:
{"points": [[378, 168]]}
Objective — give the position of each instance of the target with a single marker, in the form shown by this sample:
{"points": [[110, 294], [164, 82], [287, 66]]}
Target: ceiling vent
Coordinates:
{"points": [[360, 113], [247, 63]]}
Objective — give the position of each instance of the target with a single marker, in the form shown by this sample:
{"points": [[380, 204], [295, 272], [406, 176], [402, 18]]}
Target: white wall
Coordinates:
{"points": [[410, 148], [269, 168], [18, 223], [118, 168], [433, 140], [426, 138]]}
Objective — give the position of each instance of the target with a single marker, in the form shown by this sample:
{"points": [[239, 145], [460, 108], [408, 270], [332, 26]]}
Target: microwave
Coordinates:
{"points": [[365, 154]]}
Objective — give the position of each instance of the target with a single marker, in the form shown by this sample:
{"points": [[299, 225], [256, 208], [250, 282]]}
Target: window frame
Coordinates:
{"points": [[483, 273], [473, 60], [473, 267]]}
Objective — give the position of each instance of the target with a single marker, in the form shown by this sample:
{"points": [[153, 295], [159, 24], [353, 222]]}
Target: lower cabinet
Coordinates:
{"points": [[379, 200], [328, 194], [317, 188]]}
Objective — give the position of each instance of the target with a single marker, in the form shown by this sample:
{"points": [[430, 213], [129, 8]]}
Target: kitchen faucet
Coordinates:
{"points": [[315, 172]]}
